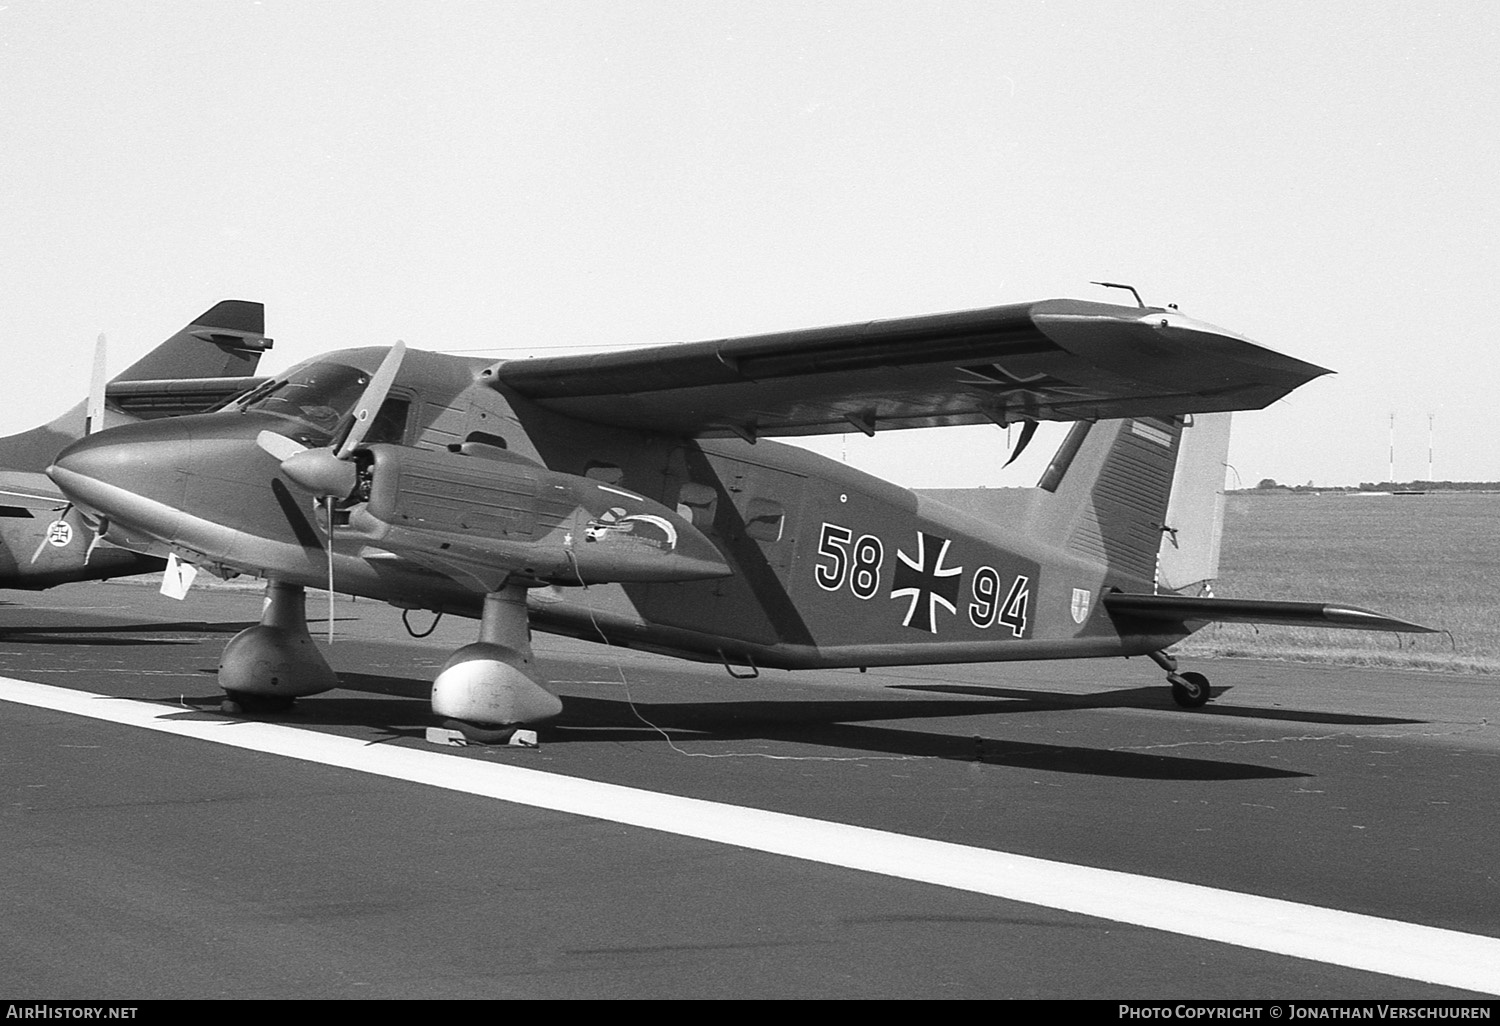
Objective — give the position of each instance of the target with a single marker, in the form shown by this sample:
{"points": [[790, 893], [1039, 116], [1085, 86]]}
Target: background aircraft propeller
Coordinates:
{"points": [[93, 420]]}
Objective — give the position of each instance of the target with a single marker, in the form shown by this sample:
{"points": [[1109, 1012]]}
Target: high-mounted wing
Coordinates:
{"points": [[1057, 359]]}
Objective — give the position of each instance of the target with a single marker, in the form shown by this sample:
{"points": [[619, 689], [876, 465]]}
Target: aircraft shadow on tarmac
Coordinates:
{"points": [[1025, 700], [839, 724], [103, 636]]}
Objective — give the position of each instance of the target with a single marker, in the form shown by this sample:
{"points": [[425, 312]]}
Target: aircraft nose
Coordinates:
{"points": [[118, 473]]}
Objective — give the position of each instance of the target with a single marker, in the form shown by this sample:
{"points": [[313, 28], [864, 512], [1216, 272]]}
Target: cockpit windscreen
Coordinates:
{"points": [[317, 398]]}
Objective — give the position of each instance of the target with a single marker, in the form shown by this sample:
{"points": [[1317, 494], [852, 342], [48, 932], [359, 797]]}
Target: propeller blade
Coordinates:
{"points": [[1028, 429], [94, 413], [328, 472], [280, 446], [370, 402]]}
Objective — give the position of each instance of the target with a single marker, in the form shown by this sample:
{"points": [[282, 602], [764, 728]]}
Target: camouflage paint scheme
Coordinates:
{"points": [[801, 561]]}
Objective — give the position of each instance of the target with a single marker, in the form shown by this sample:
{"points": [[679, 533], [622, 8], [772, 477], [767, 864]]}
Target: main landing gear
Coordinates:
{"points": [[266, 667], [485, 691], [1189, 690]]}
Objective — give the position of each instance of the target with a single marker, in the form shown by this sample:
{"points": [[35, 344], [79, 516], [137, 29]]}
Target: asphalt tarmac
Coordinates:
{"points": [[136, 863]]}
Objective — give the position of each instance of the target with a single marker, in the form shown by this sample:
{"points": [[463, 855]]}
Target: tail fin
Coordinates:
{"points": [[1105, 495]]}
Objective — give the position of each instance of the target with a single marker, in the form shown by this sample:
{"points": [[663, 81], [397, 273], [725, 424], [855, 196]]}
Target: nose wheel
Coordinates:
{"points": [[1189, 690]]}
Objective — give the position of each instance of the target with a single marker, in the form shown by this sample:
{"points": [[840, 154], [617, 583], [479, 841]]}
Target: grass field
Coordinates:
{"points": [[1433, 559]]}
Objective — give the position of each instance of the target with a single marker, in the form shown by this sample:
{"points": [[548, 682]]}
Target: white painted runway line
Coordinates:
{"points": [[1406, 950]]}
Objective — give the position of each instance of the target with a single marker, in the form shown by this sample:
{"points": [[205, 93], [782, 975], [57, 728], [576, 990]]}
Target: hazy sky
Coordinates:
{"points": [[1319, 176]]}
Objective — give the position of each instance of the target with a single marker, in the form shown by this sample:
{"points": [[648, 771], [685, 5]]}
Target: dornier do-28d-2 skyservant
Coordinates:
{"points": [[634, 497]]}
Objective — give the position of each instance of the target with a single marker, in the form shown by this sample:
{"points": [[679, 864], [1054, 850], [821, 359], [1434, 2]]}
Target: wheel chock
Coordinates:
{"points": [[462, 739]]}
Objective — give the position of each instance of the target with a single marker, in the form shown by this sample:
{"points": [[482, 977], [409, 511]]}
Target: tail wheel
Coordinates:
{"points": [[1190, 690]]}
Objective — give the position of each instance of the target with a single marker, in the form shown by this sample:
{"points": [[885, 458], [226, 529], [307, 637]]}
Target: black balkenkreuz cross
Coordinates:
{"points": [[927, 582], [1029, 391]]}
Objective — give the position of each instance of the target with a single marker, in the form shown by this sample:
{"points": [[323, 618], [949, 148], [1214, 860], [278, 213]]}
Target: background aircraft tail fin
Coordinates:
{"points": [[203, 364], [1106, 493], [225, 341]]}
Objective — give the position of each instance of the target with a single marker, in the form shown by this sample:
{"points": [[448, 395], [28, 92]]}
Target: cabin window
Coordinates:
{"points": [[390, 422], [696, 504], [764, 520]]}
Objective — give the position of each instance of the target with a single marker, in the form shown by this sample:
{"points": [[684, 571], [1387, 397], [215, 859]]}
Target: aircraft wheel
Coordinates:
{"points": [[1190, 690]]}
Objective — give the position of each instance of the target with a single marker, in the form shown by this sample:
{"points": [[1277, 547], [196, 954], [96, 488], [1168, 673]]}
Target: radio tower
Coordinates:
{"points": [[1392, 466], [1430, 478]]}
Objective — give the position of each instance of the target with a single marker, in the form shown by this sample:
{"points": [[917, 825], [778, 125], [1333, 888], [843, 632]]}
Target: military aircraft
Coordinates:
{"points": [[634, 498], [44, 540]]}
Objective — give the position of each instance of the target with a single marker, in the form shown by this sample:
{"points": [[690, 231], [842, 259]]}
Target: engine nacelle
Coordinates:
{"points": [[513, 517]]}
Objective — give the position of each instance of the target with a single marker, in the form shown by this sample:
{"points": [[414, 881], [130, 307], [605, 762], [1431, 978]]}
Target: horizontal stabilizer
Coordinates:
{"points": [[1180, 608]]}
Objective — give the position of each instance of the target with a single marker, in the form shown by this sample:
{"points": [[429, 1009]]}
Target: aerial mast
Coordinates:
{"points": [[1430, 478], [1391, 472]]}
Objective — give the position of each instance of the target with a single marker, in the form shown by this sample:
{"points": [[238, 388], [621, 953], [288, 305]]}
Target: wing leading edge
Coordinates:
{"points": [[1052, 360]]}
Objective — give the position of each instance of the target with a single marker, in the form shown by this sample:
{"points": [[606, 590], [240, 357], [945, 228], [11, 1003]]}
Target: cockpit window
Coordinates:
{"points": [[317, 397]]}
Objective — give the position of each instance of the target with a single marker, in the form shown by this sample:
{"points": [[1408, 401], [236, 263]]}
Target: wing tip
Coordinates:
{"points": [[1369, 620]]}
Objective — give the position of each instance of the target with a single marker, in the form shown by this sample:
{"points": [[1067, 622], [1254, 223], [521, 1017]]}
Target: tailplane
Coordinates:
{"points": [[1147, 498]]}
